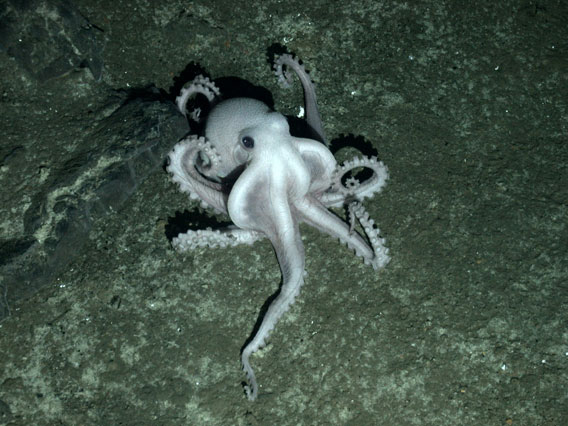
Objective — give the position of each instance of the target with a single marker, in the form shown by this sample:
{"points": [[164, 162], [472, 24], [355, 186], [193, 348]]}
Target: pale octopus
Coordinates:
{"points": [[250, 167]]}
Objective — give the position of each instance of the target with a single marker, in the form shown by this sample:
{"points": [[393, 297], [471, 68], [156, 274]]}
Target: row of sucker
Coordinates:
{"points": [[353, 189], [200, 85], [381, 256], [182, 161], [229, 237], [285, 77]]}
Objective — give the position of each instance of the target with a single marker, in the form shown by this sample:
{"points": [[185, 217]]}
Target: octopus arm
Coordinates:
{"points": [[320, 162], [182, 160], [313, 117], [230, 236], [261, 201], [339, 192], [314, 213]]}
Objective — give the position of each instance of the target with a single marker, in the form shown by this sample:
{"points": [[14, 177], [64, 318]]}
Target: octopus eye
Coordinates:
{"points": [[248, 142]]}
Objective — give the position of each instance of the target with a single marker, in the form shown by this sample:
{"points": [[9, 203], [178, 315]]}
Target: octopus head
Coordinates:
{"points": [[234, 128]]}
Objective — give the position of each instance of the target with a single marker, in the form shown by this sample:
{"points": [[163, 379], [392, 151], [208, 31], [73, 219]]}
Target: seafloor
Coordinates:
{"points": [[104, 324]]}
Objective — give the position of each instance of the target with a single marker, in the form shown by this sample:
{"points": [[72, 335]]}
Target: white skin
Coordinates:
{"points": [[279, 181]]}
